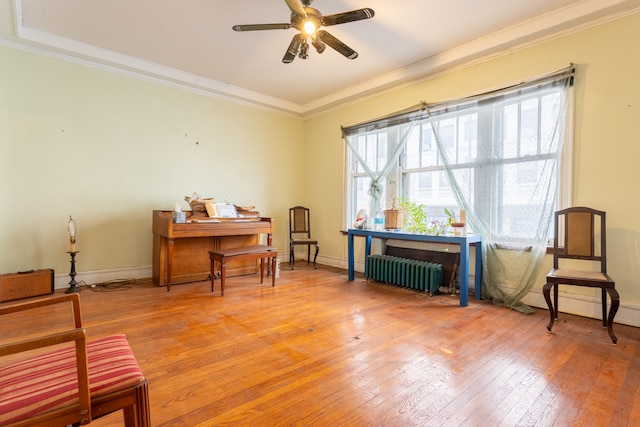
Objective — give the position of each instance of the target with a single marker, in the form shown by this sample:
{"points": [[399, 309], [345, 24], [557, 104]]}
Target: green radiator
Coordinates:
{"points": [[404, 272]]}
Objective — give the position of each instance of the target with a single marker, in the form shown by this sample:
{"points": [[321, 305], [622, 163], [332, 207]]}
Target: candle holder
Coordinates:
{"points": [[73, 285]]}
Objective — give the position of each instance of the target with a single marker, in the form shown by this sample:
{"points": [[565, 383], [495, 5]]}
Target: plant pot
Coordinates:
{"points": [[393, 219], [459, 228]]}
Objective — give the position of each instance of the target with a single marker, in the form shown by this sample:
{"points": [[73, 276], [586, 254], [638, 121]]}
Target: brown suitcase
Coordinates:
{"points": [[26, 284]]}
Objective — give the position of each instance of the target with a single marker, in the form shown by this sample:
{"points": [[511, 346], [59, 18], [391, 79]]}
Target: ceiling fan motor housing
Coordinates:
{"points": [[313, 15]]}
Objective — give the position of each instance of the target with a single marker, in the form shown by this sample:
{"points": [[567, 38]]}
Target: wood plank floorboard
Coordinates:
{"points": [[318, 350]]}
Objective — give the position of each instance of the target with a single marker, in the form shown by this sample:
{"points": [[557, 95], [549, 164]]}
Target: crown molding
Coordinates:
{"points": [[557, 23]]}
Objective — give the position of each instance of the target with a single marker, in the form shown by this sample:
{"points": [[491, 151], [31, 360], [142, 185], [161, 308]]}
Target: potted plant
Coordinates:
{"points": [[416, 220], [458, 226], [451, 218], [393, 217]]}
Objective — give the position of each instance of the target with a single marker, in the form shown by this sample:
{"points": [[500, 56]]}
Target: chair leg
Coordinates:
{"points": [[292, 257], [223, 275], [615, 303], [273, 269], [133, 402], [261, 270], [604, 307], [555, 300], [213, 273], [138, 415], [546, 289], [315, 265]]}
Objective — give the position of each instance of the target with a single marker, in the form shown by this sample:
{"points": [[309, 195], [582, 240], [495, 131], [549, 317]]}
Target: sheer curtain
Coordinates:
{"points": [[513, 250], [399, 125], [508, 179]]}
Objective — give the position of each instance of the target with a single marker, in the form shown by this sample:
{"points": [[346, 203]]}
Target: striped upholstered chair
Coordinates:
{"points": [[71, 384]]}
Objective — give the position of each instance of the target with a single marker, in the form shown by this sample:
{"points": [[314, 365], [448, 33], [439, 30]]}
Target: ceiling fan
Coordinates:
{"points": [[308, 20]]}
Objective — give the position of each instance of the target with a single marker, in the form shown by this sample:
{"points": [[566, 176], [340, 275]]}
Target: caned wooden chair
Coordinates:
{"points": [[300, 234], [576, 240], [69, 384]]}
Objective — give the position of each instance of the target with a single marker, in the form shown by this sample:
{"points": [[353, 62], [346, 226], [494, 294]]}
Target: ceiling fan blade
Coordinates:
{"points": [[292, 51], [354, 15], [337, 44], [296, 7], [258, 27]]}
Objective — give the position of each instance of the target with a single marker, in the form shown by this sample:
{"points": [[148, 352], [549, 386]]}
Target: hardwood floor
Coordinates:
{"points": [[318, 350]]}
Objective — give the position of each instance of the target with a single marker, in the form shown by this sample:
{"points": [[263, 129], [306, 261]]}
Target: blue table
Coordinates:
{"points": [[463, 241]]}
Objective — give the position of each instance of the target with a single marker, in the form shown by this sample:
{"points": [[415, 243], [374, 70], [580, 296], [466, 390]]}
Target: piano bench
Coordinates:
{"points": [[221, 256]]}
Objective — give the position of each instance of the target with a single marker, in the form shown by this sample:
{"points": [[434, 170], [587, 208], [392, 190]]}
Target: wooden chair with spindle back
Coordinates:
{"points": [[300, 234], [576, 241]]}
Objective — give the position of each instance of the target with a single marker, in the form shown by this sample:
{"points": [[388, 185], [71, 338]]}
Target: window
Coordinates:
{"points": [[373, 148], [498, 147]]}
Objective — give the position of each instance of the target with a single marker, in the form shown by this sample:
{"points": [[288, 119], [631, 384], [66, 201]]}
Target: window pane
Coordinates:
{"points": [[360, 193], [418, 186], [429, 188], [372, 152], [429, 147], [550, 104], [529, 128], [447, 130], [510, 126], [412, 149], [468, 138], [361, 143]]}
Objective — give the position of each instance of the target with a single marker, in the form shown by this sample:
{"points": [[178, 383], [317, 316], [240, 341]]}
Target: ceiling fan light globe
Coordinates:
{"points": [[309, 27]]}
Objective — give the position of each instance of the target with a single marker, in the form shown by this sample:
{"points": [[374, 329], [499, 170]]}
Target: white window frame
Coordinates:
{"points": [[397, 176]]}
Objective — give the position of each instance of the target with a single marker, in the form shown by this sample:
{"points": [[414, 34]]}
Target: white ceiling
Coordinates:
{"points": [[190, 42]]}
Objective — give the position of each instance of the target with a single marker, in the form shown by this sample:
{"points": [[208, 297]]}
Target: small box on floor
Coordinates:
{"points": [[26, 284]]}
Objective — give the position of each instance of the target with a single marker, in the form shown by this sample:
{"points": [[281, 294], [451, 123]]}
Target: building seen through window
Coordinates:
{"points": [[498, 148]]}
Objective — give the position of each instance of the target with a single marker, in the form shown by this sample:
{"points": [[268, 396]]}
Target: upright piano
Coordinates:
{"points": [[181, 251]]}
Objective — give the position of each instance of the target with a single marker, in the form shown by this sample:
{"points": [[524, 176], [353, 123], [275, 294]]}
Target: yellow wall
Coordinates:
{"points": [[108, 149], [606, 150]]}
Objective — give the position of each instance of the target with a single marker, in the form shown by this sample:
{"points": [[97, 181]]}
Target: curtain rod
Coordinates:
{"points": [[397, 114], [568, 72], [422, 106]]}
